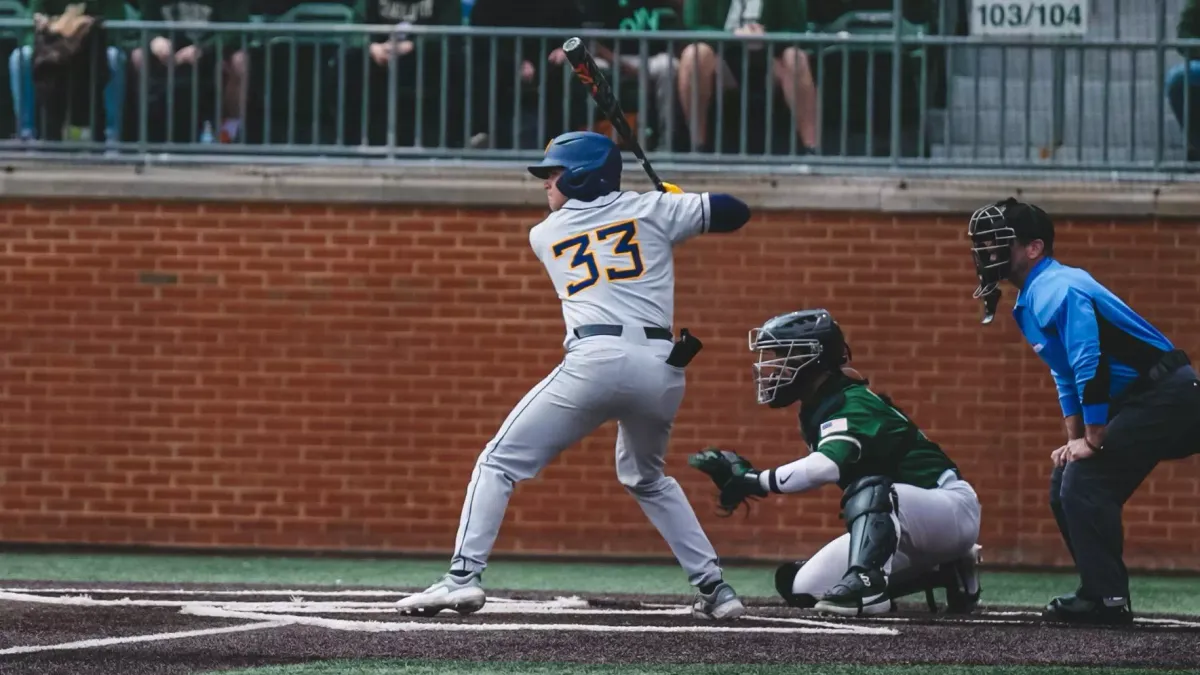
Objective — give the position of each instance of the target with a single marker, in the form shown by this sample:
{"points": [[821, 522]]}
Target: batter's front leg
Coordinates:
{"points": [[641, 445]]}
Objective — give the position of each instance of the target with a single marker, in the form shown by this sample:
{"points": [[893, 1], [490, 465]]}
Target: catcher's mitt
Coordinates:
{"points": [[733, 475]]}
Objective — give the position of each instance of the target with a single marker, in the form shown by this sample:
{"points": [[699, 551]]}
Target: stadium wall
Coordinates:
{"points": [[296, 360]]}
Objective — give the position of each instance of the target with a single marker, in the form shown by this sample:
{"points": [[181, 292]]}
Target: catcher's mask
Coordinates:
{"points": [[791, 343]]}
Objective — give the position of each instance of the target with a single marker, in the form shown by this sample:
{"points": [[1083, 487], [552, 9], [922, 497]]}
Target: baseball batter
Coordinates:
{"points": [[912, 520], [609, 255]]}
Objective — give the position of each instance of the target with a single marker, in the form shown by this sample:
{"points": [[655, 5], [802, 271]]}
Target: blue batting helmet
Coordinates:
{"points": [[591, 165]]}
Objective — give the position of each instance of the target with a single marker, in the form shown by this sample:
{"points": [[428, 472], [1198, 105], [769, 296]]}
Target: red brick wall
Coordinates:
{"points": [[311, 376]]}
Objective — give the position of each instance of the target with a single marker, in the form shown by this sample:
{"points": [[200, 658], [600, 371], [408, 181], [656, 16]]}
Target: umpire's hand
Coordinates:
{"points": [[1072, 451], [1059, 456]]}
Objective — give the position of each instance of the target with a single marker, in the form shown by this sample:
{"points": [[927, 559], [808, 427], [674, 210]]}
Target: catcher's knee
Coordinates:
{"points": [[785, 578], [869, 508], [869, 494]]}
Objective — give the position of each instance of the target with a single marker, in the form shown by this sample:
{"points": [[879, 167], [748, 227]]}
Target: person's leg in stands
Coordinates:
{"points": [[662, 68], [114, 94], [233, 106], [795, 78], [20, 80], [696, 83], [697, 75], [1183, 84]]}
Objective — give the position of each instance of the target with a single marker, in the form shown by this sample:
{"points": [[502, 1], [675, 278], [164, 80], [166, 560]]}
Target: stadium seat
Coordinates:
{"points": [[285, 93], [315, 12], [857, 59], [13, 9]]}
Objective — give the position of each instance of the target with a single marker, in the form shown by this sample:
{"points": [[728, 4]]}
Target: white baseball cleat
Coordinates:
{"points": [[722, 604], [461, 594]]}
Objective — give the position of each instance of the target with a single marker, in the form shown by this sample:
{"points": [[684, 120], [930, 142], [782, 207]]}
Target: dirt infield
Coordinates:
{"points": [[140, 629]]}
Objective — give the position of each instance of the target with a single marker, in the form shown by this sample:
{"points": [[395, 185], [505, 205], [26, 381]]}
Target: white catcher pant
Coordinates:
{"points": [[600, 378], [936, 526]]}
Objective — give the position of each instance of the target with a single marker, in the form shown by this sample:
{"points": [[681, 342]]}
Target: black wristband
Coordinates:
{"points": [[774, 485], [1089, 444]]}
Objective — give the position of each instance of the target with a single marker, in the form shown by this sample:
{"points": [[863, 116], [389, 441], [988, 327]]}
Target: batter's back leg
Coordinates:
{"points": [[555, 414]]}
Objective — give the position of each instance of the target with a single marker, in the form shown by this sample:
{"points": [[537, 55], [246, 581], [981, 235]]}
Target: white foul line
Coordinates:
{"points": [[105, 642]]}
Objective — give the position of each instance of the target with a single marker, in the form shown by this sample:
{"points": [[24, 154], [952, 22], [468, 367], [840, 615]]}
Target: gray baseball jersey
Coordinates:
{"points": [[611, 262]]}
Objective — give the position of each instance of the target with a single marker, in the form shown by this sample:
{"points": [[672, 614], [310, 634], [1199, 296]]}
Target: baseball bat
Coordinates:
{"points": [[584, 67]]}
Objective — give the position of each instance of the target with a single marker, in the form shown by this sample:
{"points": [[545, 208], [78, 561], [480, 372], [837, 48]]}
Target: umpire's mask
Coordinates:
{"points": [[991, 242]]}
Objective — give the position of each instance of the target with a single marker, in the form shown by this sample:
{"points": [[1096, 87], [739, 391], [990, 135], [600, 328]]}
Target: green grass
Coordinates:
{"points": [[392, 667], [1151, 594]]}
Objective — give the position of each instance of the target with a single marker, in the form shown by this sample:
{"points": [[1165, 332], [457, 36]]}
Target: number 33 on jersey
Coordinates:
{"points": [[623, 240], [611, 259]]}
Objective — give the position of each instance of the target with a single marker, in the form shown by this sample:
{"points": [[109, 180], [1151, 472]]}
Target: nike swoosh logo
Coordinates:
{"points": [[785, 480]]}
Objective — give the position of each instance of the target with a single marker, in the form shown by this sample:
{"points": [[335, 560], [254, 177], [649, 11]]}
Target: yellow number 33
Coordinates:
{"points": [[624, 242]]}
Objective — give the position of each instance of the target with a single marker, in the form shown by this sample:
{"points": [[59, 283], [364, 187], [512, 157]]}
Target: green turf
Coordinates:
{"points": [[1151, 594], [390, 667]]}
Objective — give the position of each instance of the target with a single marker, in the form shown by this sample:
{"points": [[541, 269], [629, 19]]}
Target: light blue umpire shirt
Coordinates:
{"points": [[1093, 342]]}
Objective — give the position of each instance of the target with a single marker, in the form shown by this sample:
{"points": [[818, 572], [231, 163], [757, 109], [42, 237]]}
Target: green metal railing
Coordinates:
{"points": [[881, 94]]}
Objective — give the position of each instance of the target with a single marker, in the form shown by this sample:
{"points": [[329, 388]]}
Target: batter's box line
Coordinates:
{"points": [[440, 626], [132, 639], [560, 606], [987, 618]]}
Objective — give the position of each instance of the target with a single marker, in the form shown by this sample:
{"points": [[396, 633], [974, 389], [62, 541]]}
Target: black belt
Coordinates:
{"points": [[1169, 363], [590, 330]]}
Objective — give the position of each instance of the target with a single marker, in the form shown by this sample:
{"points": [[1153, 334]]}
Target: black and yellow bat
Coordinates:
{"points": [[588, 74]]}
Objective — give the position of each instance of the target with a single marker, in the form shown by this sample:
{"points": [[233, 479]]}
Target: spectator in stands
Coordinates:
{"points": [[403, 14], [513, 77], [1183, 81], [699, 62], [659, 66], [197, 50], [401, 48], [20, 68]]}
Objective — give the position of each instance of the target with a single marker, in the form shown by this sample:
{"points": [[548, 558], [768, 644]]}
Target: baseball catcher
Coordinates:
{"points": [[912, 520]]}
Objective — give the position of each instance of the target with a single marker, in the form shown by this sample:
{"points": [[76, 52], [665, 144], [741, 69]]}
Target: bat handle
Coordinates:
{"points": [[572, 44]]}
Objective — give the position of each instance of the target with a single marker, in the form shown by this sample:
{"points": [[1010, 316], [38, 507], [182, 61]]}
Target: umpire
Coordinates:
{"points": [[1130, 399]]}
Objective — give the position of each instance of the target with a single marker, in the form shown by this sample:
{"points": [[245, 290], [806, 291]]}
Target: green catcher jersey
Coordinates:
{"points": [[866, 436]]}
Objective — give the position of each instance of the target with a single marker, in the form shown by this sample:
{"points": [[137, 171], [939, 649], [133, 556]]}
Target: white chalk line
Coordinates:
{"points": [[156, 637], [983, 618], [441, 626], [495, 605], [366, 593], [293, 613], [849, 627], [300, 607], [291, 593]]}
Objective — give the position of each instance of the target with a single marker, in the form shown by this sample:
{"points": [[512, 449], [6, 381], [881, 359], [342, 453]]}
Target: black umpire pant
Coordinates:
{"points": [[1159, 422]]}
